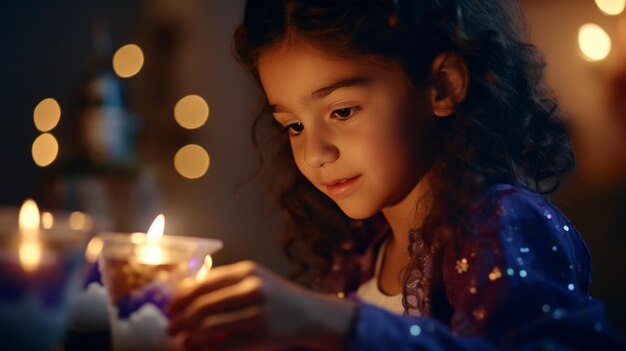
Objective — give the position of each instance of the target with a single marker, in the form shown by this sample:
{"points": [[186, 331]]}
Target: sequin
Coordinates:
{"points": [[462, 265], [336, 267], [415, 330], [554, 248], [341, 295], [495, 274], [570, 287], [566, 228], [523, 273], [524, 250], [558, 313], [479, 313], [472, 290], [545, 308], [520, 261], [501, 211], [510, 272]]}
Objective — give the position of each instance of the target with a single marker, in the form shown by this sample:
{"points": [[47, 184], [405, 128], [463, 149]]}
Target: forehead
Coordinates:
{"points": [[291, 72]]}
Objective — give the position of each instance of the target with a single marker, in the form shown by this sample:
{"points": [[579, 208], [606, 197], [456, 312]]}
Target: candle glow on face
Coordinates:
{"points": [[30, 249], [151, 252]]}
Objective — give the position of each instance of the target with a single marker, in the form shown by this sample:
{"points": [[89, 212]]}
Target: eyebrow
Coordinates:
{"points": [[351, 82]]}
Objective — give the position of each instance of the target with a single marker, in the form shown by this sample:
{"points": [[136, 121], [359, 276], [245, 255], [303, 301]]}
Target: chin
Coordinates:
{"points": [[357, 212]]}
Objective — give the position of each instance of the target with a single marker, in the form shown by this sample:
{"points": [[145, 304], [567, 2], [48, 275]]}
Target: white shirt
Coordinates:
{"points": [[370, 290]]}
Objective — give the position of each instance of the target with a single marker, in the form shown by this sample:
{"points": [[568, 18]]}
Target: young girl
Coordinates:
{"points": [[417, 139]]}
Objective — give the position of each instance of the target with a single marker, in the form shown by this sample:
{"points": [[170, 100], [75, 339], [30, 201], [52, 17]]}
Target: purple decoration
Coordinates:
{"points": [[155, 293], [93, 275]]}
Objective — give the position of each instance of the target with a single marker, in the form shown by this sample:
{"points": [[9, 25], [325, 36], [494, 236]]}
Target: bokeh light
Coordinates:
{"points": [[191, 112], [191, 161], [47, 220], [78, 220], [45, 149], [47, 114], [594, 42], [128, 60], [611, 7]]}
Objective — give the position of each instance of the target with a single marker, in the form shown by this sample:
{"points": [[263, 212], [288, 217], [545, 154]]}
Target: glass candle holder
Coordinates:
{"points": [[90, 315], [40, 277], [140, 277]]}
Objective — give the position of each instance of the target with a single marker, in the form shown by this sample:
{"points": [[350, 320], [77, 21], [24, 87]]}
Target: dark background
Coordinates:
{"points": [[46, 48]]}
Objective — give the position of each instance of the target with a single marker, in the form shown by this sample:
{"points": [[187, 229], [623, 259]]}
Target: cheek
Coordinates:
{"points": [[296, 152]]}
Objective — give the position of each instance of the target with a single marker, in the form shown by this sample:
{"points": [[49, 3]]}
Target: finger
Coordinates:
{"points": [[217, 278], [230, 298], [218, 329]]}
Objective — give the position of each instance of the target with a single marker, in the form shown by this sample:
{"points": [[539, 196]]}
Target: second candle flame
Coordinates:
{"points": [[29, 219], [30, 250]]}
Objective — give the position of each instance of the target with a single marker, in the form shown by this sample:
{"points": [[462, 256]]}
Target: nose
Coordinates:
{"points": [[319, 150]]}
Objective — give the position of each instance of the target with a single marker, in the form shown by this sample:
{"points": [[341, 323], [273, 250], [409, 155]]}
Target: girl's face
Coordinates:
{"points": [[359, 132]]}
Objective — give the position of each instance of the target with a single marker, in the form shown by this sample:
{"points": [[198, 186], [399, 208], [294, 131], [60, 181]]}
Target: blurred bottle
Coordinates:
{"points": [[108, 129]]}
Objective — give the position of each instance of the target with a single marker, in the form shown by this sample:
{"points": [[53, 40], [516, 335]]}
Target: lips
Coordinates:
{"points": [[340, 186]]}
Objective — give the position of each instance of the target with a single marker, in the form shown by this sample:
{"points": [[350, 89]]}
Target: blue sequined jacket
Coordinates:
{"points": [[519, 280]]}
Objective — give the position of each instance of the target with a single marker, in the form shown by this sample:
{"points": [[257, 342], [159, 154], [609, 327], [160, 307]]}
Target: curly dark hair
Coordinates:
{"points": [[508, 129]]}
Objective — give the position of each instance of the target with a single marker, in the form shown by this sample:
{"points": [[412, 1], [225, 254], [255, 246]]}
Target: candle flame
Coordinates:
{"points": [[155, 233], [151, 253], [94, 248], [206, 267], [30, 250], [29, 219]]}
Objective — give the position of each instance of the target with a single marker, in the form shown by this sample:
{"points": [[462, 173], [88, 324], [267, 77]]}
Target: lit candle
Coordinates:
{"points": [[140, 272], [39, 276]]}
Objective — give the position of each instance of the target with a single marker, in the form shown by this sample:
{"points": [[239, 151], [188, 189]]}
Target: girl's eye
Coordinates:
{"points": [[345, 113], [295, 128]]}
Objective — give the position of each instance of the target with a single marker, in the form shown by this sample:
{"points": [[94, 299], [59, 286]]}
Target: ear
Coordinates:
{"points": [[449, 82]]}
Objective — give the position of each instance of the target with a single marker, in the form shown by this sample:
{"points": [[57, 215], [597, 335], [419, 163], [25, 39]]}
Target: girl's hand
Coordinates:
{"points": [[244, 306]]}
